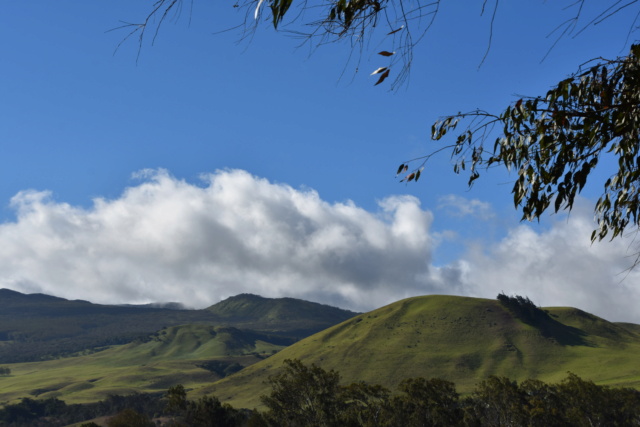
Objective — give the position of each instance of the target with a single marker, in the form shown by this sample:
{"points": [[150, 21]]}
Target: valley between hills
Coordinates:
{"points": [[81, 352]]}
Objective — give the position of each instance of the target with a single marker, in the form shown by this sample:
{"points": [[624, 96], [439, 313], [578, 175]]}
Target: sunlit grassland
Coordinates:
{"points": [[463, 340], [460, 339], [171, 357]]}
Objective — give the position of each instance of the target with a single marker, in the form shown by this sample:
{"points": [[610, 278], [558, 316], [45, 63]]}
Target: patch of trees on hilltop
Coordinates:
{"points": [[310, 396], [523, 308], [526, 311]]}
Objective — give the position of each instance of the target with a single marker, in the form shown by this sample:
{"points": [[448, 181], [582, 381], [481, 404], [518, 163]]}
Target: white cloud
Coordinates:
{"points": [[559, 267], [458, 206], [169, 240]]}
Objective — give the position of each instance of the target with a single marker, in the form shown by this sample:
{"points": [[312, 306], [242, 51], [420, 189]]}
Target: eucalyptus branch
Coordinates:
{"points": [[553, 143]]}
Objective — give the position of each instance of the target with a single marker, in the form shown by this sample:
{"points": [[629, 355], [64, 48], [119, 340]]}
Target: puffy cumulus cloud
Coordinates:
{"points": [[559, 267], [169, 240]]}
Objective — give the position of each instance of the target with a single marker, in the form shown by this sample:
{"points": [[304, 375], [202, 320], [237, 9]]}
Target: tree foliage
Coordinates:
{"points": [[303, 395], [300, 396], [433, 402], [176, 399], [311, 396], [400, 24], [363, 404], [208, 411], [554, 142], [523, 308], [129, 418]]}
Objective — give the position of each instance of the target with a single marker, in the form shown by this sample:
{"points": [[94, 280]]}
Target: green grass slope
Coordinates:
{"points": [[191, 355], [36, 327], [460, 339]]}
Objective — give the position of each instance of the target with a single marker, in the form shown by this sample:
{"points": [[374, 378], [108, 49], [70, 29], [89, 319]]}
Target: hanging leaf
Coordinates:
{"points": [[256, 13], [379, 70], [382, 78], [278, 9], [411, 176], [518, 104], [418, 175], [402, 166], [385, 53], [396, 30]]}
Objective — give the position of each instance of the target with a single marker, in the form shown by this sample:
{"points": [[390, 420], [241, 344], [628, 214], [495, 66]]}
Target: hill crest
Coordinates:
{"points": [[460, 339], [250, 310], [39, 327]]}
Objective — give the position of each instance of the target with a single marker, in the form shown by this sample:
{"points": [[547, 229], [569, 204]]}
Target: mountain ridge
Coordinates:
{"points": [[249, 310], [37, 327]]}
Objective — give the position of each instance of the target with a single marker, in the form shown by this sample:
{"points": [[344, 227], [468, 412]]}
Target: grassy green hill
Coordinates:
{"points": [[459, 339], [93, 350], [191, 355], [37, 327]]}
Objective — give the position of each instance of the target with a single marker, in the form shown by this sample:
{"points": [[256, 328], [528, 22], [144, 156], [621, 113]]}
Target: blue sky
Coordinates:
{"points": [[210, 165]]}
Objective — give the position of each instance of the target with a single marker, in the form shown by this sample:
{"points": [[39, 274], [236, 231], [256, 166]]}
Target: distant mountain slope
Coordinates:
{"points": [[456, 338], [39, 327], [256, 312]]}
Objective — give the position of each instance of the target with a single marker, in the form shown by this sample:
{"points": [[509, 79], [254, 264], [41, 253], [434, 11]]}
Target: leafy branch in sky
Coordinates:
{"points": [[553, 142], [402, 23]]}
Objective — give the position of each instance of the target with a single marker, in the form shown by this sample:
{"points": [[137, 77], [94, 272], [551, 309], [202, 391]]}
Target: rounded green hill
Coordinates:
{"points": [[460, 339]]}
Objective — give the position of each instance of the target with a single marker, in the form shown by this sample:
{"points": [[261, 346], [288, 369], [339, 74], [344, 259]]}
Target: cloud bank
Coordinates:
{"points": [[169, 240]]}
